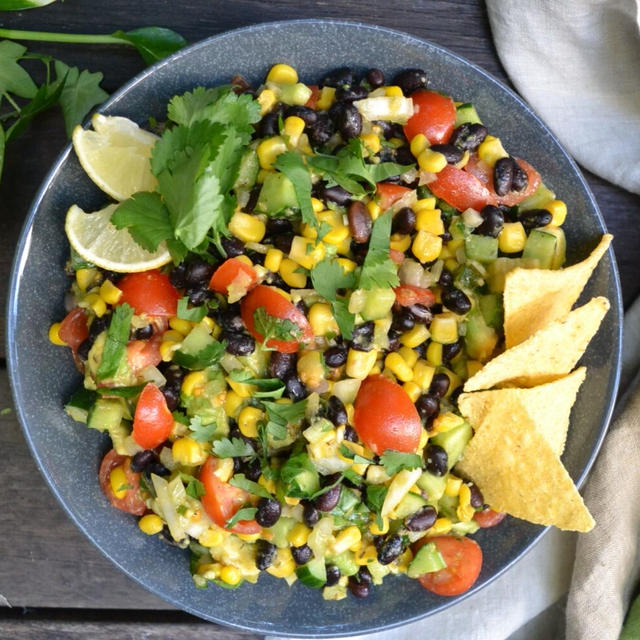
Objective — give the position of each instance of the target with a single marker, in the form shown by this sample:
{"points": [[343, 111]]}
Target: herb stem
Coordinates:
{"points": [[69, 38], [11, 101]]}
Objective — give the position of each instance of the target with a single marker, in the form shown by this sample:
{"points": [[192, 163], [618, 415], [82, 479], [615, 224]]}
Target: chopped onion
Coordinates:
{"points": [[320, 537], [346, 389], [426, 177], [398, 489], [257, 247], [409, 176], [152, 374], [169, 496], [389, 108], [472, 218], [436, 270], [411, 272]]}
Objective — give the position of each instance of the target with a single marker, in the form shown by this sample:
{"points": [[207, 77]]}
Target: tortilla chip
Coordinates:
{"points": [[535, 297], [518, 473], [547, 405], [549, 354]]}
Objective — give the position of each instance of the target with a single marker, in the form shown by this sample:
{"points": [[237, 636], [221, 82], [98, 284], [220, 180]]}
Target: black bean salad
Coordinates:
{"points": [[322, 270]]}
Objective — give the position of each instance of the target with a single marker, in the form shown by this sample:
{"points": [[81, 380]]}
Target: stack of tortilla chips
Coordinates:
{"points": [[521, 425]]}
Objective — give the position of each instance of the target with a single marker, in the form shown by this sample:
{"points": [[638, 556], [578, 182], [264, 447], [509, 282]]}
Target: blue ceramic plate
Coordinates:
{"points": [[43, 376]]}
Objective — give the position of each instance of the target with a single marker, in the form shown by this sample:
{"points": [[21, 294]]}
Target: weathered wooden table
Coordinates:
{"points": [[56, 583]]}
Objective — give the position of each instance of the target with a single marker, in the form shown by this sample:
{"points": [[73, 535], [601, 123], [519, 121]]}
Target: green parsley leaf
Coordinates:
{"points": [[202, 432], [206, 357], [327, 277], [357, 459], [194, 487], [395, 461], [13, 78], [115, 345], [121, 392], [246, 513], [299, 476], [375, 499], [193, 315], [152, 43], [180, 417], [292, 165], [232, 448], [272, 328], [268, 387], [242, 482], [378, 270], [281, 415]]}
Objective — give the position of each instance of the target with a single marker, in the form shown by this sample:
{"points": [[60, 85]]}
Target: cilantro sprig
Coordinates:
{"points": [[246, 513], [394, 461], [232, 448], [328, 278], [242, 482], [378, 270], [272, 328], [115, 345]]}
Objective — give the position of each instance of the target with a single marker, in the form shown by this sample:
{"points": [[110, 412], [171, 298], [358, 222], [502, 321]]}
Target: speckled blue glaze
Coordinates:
{"points": [[43, 376]]}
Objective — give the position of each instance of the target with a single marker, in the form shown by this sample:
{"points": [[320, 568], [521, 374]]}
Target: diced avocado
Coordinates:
{"points": [[80, 404], [480, 339], [248, 171], [377, 303], [197, 340], [432, 485], [106, 414], [467, 113], [313, 574], [426, 560], [538, 199], [481, 248], [464, 528], [561, 247], [277, 195], [546, 246], [468, 277], [299, 476], [378, 571], [346, 562], [122, 443], [411, 503], [458, 229], [448, 506], [491, 308], [453, 442], [459, 365], [281, 530]]}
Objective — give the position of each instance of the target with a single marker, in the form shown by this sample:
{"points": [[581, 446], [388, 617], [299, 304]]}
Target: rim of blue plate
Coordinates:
{"points": [[21, 255]]}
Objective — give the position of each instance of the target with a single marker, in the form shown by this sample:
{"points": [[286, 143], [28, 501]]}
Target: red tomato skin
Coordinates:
{"points": [[74, 329], [132, 502], [229, 272], [221, 500], [387, 194], [434, 116], [277, 306], [152, 421], [384, 416], [407, 294], [461, 189], [489, 518], [149, 292], [464, 562], [313, 99], [143, 353]]}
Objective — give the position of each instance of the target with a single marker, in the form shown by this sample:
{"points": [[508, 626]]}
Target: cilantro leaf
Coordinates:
{"points": [[357, 459], [299, 476], [232, 448], [191, 106], [374, 499], [13, 78], [194, 487], [242, 482], [272, 328], [344, 318], [202, 432], [193, 315], [246, 513], [378, 270], [121, 392], [281, 415], [292, 165], [152, 43], [395, 461], [206, 357], [115, 345], [268, 387]]}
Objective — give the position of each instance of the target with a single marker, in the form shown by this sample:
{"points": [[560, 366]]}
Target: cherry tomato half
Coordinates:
{"points": [[233, 278], [407, 294], [434, 116], [313, 98], [221, 500], [149, 292], [152, 421], [488, 518], [74, 329], [461, 189], [131, 502], [384, 416], [387, 194], [143, 353], [464, 561], [277, 306]]}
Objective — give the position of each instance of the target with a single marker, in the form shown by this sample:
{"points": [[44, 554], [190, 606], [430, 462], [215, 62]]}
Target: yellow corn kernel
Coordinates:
{"points": [[432, 161], [393, 91], [326, 98], [410, 356], [403, 561], [311, 369], [224, 470], [292, 502], [321, 319], [96, 303], [430, 220], [150, 524], [212, 326], [284, 565], [267, 100], [269, 149], [440, 527], [211, 537], [230, 575], [167, 349], [360, 363], [246, 259], [298, 535], [434, 354], [346, 539], [491, 150], [374, 209], [426, 246], [309, 231], [512, 237], [452, 487], [172, 336], [423, 373], [378, 531], [337, 235], [451, 265], [412, 390], [454, 381], [268, 484], [282, 74], [110, 293], [365, 555], [248, 420], [188, 452], [292, 274], [558, 211], [118, 482], [54, 335], [349, 407], [241, 388], [85, 278], [183, 327], [424, 438], [473, 366], [418, 144], [306, 252], [317, 205], [248, 537], [247, 227], [414, 337], [446, 421], [347, 265], [397, 364], [462, 163], [209, 570], [400, 242], [465, 511], [444, 328], [293, 128], [193, 383], [273, 259], [371, 142], [232, 403], [428, 204]]}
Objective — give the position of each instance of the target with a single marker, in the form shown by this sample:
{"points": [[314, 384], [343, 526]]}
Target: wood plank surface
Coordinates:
{"points": [[44, 560]]}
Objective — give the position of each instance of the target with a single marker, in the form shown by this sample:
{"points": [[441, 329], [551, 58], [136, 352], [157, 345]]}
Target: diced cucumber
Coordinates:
{"points": [[547, 246], [106, 414], [346, 562], [313, 574], [298, 93], [560, 254], [464, 528], [481, 248], [411, 503], [448, 506], [197, 340], [459, 365], [248, 171], [453, 442], [468, 277], [458, 230], [492, 311], [538, 199], [377, 303], [426, 560], [432, 485], [277, 195], [467, 113], [480, 339], [281, 530], [80, 404]]}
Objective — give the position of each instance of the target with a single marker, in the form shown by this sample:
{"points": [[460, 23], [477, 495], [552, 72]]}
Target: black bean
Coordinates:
{"points": [[254, 194], [338, 78], [404, 221], [283, 242], [503, 175], [238, 344], [268, 512], [347, 119], [310, 514], [144, 333], [302, 554], [450, 351], [456, 300], [375, 78], [173, 374], [84, 348], [421, 520], [350, 433], [172, 397], [282, 364], [477, 499], [446, 278], [336, 194], [352, 93], [329, 499], [268, 125], [265, 554], [535, 218], [386, 127], [390, 549], [233, 247], [436, 460], [363, 331], [403, 320], [403, 155], [520, 178], [421, 313], [360, 222], [237, 465], [199, 273], [294, 388], [359, 589], [492, 223], [320, 133], [393, 337], [446, 236], [178, 276], [411, 80], [451, 152], [230, 319], [336, 411], [276, 226], [335, 356], [469, 136], [309, 116], [158, 468], [98, 325], [112, 276], [439, 385], [165, 536], [255, 256], [197, 297], [427, 405], [252, 469], [333, 575], [142, 460], [359, 251]]}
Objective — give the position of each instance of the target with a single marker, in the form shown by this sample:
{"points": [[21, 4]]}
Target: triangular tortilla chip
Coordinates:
{"points": [[535, 297], [518, 473], [550, 353], [548, 406]]}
